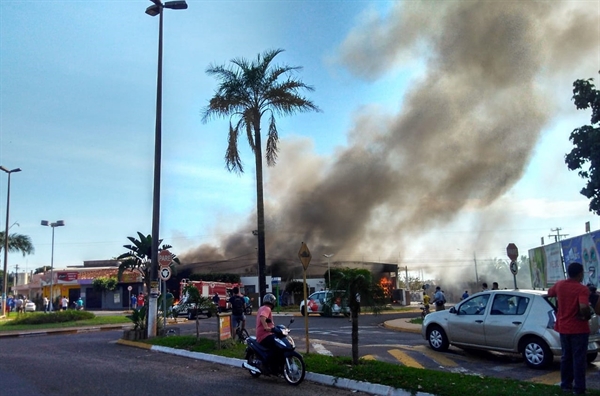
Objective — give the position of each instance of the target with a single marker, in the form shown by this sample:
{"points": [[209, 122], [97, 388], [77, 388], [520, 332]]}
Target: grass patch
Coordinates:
{"points": [[440, 383], [416, 321], [59, 320]]}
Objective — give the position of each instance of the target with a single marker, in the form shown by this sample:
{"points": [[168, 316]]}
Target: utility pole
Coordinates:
{"points": [[476, 275], [16, 276], [558, 235]]}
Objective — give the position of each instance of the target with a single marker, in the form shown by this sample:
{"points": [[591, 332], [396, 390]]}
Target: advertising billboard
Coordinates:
{"points": [[583, 249], [546, 266]]}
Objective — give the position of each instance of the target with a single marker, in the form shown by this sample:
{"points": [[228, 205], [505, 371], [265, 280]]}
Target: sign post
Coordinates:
{"points": [[165, 258], [305, 256], [129, 288], [513, 253], [276, 280]]}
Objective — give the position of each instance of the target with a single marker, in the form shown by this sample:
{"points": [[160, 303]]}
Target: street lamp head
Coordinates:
{"points": [[10, 171], [59, 223], [45, 223], [153, 10], [176, 5]]}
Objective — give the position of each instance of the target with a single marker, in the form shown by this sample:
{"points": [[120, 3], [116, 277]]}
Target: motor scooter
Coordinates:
{"points": [[284, 361], [424, 311]]}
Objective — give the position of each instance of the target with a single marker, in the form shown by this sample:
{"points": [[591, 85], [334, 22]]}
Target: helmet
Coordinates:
{"points": [[269, 299]]}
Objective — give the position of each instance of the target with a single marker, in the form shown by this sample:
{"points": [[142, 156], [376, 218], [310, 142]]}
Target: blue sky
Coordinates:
{"points": [[77, 103]]}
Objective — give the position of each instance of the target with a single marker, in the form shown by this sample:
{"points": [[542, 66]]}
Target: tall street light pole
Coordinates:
{"points": [[5, 275], [58, 223], [328, 267], [154, 10]]}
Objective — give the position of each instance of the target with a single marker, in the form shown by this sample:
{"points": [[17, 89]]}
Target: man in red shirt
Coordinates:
{"points": [[572, 324]]}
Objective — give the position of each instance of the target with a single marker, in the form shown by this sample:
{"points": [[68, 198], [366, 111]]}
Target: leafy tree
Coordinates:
{"points": [[104, 283], [194, 297], [17, 243], [139, 258], [247, 91], [358, 288], [41, 270], [585, 156]]}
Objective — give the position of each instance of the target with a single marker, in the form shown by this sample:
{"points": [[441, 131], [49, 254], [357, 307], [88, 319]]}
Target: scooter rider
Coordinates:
{"points": [[264, 322]]}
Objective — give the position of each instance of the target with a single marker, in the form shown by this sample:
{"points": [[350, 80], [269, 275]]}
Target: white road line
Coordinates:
{"points": [[321, 350]]}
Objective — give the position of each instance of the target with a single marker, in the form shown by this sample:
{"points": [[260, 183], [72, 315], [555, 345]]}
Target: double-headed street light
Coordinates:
{"points": [[328, 269], [5, 274], [58, 223], [154, 10]]}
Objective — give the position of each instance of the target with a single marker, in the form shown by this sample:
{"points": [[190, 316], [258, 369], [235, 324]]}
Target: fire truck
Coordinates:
{"points": [[207, 289]]}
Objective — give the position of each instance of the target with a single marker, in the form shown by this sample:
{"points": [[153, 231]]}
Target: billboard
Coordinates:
{"points": [[583, 249], [546, 265]]}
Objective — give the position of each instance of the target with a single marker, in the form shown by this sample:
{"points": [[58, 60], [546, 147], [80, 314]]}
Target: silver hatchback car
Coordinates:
{"points": [[514, 321]]}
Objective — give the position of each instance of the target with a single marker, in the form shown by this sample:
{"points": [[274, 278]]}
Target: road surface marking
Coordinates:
{"points": [[404, 358], [321, 350], [435, 356], [369, 357]]}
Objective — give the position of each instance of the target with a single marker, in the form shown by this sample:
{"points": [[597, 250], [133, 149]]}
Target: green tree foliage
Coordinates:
{"points": [[358, 288], [200, 302], [18, 243], [104, 283], [139, 258], [41, 270], [585, 156], [247, 91]]}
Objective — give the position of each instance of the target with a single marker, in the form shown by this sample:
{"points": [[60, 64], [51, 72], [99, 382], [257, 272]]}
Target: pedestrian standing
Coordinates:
{"points": [[65, 303], [140, 300], [495, 286], [465, 295], [484, 286], [572, 317], [439, 300], [133, 301], [46, 303]]}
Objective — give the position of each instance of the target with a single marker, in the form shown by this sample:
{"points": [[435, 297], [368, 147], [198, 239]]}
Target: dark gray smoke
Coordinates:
{"points": [[465, 131]]}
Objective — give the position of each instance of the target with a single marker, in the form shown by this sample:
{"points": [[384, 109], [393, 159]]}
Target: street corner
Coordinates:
{"points": [[402, 325]]}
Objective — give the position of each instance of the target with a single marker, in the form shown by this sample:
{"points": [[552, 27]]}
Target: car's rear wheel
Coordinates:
{"points": [[591, 357], [536, 353], [438, 340]]}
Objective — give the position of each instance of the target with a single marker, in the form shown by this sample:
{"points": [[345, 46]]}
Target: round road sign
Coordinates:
{"points": [[514, 268], [164, 258], [165, 273], [129, 288]]}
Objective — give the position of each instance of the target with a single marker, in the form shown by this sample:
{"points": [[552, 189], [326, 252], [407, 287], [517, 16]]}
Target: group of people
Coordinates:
{"points": [[137, 301], [15, 304]]}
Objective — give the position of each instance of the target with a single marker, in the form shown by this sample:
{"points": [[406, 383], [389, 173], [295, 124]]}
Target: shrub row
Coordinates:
{"points": [[35, 318]]}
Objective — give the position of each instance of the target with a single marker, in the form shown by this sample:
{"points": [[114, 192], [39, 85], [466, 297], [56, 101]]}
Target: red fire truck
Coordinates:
{"points": [[207, 289]]}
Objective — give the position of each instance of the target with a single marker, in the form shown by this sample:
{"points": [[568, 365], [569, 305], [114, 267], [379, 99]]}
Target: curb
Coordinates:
{"points": [[336, 382], [405, 329], [76, 330]]}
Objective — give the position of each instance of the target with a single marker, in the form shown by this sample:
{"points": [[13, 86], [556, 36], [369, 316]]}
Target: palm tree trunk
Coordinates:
{"points": [[260, 209]]}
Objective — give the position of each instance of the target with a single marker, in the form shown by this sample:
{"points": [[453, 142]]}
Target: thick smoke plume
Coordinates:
{"points": [[460, 139]]}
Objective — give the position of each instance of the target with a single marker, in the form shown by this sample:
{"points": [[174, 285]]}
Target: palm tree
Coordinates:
{"points": [[139, 258], [246, 92], [357, 287], [17, 243], [199, 302]]}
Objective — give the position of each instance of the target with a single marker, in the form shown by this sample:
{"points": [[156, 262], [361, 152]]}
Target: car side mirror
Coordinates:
{"points": [[453, 310]]}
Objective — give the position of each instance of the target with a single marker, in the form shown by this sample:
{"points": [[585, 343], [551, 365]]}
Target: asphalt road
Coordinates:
{"points": [[93, 364]]}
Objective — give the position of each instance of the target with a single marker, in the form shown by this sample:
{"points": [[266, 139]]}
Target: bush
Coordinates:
{"points": [[37, 318]]}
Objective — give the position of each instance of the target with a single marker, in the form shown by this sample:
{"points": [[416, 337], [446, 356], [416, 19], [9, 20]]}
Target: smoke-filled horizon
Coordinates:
{"points": [[460, 138]]}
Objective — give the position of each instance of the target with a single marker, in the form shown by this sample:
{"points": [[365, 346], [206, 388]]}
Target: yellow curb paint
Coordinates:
{"points": [[435, 356], [134, 344], [548, 379], [369, 357], [404, 358]]}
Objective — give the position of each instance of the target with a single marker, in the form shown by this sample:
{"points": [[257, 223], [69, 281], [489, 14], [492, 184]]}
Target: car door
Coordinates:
{"points": [[505, 320], [466, 326]]}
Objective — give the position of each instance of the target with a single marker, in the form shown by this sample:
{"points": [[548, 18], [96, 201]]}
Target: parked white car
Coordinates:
{"points": [[325, 303], [515, 321], [30, 307]]}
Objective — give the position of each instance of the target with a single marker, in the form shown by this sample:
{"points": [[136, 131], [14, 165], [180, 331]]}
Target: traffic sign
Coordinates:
{"points": [[165, 273], [129, 288], [304, 255], [165, 258], [512, 251], [514, 268]]}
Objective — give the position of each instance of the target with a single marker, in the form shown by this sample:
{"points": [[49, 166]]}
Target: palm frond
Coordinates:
{"points": [[272, 140]]}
